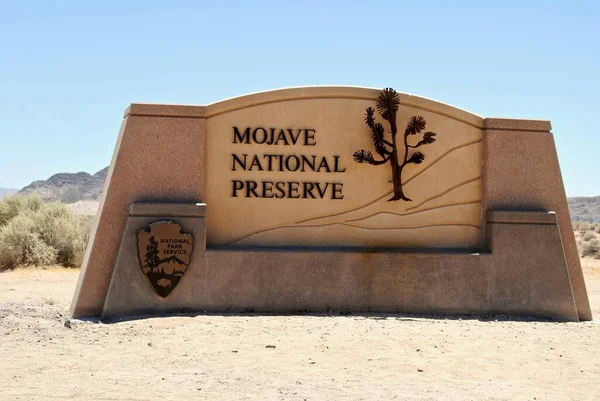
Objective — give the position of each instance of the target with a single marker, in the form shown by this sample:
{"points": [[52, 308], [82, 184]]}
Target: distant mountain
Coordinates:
{"points": [[585, 208], [4, 192], [68, 187]]}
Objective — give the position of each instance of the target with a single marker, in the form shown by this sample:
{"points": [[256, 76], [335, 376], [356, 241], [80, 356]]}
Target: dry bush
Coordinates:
{"points": [[59, 229], [584, 227], [20, 244], [42, 234], [590, 249], [589, 235], [14, 205]]}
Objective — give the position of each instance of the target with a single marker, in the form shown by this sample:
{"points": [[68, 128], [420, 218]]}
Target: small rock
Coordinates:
{"points": [[68, 324], [419, 370], [149, 344], [270, 346]]}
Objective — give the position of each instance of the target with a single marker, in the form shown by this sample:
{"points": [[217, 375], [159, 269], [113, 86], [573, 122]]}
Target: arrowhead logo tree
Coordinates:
{"points": [[387, 106]]}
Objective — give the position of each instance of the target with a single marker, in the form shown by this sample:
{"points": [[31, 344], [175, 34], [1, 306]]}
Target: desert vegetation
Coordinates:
{"points": [[587, 236], [33, 232]]}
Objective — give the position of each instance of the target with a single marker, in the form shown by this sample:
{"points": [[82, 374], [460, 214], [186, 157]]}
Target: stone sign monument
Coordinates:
{"points": [[331, 198]]}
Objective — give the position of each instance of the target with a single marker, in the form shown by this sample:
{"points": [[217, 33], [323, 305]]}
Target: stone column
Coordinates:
{"points": [[521, 172], [159, 157]]}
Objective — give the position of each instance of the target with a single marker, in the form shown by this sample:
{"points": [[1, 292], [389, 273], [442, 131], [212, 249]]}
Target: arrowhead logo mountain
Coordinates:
{"points": [[164, 252]]}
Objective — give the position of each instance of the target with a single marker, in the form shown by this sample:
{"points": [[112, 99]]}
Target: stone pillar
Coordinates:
{"points": [[521, 172], [159, 157], [527, 270]]}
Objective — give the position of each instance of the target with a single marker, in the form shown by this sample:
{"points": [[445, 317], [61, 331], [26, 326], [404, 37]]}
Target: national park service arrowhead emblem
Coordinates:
{"points": [[165, 252]]}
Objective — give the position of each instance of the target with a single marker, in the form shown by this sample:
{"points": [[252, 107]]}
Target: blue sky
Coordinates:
{"points": [[68, 69]]}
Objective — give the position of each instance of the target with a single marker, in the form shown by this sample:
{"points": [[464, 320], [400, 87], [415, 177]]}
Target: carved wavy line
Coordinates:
{"points": [[440, 158], [411, 227], [237, 239], [390, 192], [415, 212], [356, 226], [444, 193]]}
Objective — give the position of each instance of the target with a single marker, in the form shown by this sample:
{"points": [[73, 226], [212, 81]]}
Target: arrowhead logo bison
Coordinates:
{"points": [[165, 252]]}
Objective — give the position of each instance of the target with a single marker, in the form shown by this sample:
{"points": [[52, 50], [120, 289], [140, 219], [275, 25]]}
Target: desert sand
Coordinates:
{"points": [[46, 356]]}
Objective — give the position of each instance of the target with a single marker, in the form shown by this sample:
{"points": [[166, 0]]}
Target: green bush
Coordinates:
{"points": [[36, 233]]}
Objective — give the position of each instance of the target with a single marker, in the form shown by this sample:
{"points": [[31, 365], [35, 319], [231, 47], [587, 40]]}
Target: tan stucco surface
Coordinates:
{"points": [[155, 159], [445, 188], [522, 172], [524, 274]]}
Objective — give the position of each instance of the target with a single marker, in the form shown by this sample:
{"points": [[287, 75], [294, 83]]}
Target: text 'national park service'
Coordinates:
{"points": [[281, 163]]}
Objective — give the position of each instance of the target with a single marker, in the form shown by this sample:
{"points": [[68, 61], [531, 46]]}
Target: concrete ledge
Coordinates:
{"points": [[165, 110], [525, 274], [506, 124], [520, 217], [143, 209]]}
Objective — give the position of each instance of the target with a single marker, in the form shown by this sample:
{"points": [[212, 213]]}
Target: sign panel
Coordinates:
{"points": [[342, 172]]}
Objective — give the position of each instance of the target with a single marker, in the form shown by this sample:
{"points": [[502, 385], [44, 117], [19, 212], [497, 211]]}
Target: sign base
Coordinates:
{"points": [[523, 272]]}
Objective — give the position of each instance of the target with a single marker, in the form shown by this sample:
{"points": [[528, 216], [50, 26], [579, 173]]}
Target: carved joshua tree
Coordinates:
{"points": [[387, 106]]}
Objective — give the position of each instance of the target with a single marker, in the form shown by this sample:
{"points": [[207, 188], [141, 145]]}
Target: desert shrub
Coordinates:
{"points": [[589, 235], [60, 230], [597, 228], [20, 244], [37, 233], [14, 205], [590, 248], [583, 227]]}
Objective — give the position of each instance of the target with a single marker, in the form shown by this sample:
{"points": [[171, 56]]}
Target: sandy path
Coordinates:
{"points": [[315, 357]]}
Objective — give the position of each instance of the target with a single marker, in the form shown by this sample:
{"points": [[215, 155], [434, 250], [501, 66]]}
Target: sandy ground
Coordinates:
{"points": [[284, 357]]}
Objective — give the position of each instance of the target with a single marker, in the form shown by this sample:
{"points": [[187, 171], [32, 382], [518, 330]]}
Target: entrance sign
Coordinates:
{"points": [[331, 198], [294, 174]]}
